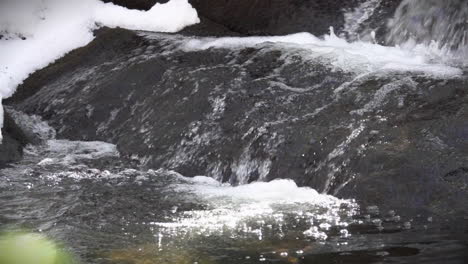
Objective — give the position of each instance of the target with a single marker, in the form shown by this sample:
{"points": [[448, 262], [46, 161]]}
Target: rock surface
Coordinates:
{"points": [[280, 17], [398, 140], [11, 148], [275, 17], [136, 4]]}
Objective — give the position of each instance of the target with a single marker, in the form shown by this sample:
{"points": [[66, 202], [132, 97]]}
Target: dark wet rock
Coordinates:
{"points": [[265, 17], [136, 4], [273, 17], [278, 17], [458, 178], [102, 49], [395, 140], [208, 28], [11, 148]]}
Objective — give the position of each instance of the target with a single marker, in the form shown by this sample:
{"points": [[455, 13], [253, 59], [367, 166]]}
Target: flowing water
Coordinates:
{"points": [[105, 209], [444, 23], [106, 212]]}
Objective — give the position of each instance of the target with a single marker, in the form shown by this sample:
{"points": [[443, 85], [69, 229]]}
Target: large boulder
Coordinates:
{"points": [[260, 113], [275, 17], [280, 17]]}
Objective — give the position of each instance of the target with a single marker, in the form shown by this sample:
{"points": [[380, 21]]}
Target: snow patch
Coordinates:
{"points": [[36, 33], [170, 17]]}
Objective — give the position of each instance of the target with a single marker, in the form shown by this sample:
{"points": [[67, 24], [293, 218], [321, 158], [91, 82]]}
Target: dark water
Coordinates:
{"points": [[82, 195]]}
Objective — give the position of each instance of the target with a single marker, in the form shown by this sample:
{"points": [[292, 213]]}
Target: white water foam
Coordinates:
{"points": [[355, 18], [33, 126], [51, 151], [358, 57], [443, 23], [258, 209], [36, 33], [67, 152]]}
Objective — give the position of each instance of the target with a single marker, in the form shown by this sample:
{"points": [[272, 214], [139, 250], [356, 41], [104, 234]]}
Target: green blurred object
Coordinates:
{"points": [[31, 248]]}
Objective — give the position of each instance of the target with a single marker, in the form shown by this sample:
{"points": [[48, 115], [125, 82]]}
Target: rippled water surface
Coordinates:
{"points": [[81, 194]]}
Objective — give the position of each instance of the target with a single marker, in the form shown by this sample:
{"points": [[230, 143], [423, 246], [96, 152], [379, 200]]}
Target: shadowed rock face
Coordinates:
{"points": [[265, 17], [260, 113], [11, 148], [280, 17], [275, 17], [136, 4]]}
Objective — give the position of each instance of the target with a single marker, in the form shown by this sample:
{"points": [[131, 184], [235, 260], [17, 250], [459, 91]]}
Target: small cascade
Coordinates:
{"points": [[431, 21], [355, 19]]}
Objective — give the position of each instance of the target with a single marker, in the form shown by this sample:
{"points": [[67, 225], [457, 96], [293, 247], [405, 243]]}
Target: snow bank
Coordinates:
{"points": [[170, 17], [37, 32]]}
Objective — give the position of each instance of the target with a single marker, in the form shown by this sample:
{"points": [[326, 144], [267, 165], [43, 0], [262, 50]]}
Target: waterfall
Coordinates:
{"points": [[431, 21]]}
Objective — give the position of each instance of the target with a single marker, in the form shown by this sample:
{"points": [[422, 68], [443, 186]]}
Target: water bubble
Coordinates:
{"points": [[373, 210], [325, 226], [407, 225], [344, 233], [377, 222]]}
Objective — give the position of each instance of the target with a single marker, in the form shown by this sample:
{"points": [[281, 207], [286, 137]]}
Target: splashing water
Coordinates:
{"points": [[185, 208], [441, 23], [357, 57], [258, 209], [355, 18]]}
